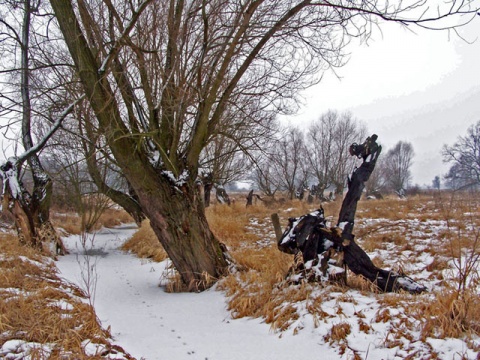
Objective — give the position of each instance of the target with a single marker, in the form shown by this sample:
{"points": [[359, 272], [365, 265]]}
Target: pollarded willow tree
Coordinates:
{"points": [[25, 93], [282, 165], [163, 76]]}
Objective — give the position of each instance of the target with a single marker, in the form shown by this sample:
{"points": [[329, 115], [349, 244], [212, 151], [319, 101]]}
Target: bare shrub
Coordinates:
{"points": [[450, 314]]}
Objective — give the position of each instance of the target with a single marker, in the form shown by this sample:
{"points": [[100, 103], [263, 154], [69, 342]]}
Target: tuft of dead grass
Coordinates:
{"points": [[451, 314], [338, 332], [144, 243]]}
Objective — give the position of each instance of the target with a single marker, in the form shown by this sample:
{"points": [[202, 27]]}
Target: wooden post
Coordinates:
{"points": [[276, 226]]}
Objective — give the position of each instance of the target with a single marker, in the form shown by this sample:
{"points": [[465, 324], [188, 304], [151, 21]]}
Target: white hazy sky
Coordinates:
{"points": [[421, 87]]}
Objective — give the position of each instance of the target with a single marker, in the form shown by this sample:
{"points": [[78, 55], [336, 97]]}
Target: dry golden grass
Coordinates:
{"points": [[452, 315], [71, 222], [37, 306], [253, 294], [338, 332], [229, 223], [144, 243], [113, 217], [259, 289]]}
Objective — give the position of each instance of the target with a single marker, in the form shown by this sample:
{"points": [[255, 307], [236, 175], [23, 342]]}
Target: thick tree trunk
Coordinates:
{"points": [[174, 208], [181, 226], [23, 223], [250, 198], [207, 193], [31, 213]]}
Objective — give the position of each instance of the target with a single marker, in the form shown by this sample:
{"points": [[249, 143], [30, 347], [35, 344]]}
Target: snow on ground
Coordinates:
{"points": [[153, 324], [150, 323]]}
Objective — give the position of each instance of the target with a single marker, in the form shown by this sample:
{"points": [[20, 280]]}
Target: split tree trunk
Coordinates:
{"points": [[31, 211], [356, 259]]}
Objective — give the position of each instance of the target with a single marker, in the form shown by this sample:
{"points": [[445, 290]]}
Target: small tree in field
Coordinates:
{"points": [[287, 160], [465, 157], [328, 139], [398, 162]]}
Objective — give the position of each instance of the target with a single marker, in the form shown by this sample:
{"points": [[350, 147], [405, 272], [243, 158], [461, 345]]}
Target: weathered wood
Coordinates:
{"points": [[309, 234], [356, 259], [222, 195], [30, 212], [276, 226], [250, 198]]}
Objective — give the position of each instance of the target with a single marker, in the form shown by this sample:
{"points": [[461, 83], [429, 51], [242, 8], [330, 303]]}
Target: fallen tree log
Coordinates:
{"points": [[309, 236]]}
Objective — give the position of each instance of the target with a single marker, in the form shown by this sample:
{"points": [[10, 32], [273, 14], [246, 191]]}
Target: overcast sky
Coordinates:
{"points": [[423, 88]]}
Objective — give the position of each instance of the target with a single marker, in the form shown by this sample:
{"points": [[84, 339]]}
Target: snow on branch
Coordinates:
{"points": [[9, 175], [177, 182], [9, 169], [56, 125]]}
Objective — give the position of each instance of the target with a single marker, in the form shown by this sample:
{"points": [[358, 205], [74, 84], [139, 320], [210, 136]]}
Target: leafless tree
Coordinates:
{"points": [[160, 77], [398, 162], [377, 183], [21, 104], [230, 153], [347, 130], [74, 188], [287, 159], [328, 140], [464, 154], [264, 176]]}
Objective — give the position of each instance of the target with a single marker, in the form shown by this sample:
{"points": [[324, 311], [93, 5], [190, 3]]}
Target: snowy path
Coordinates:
{"points": [[152, 324]]}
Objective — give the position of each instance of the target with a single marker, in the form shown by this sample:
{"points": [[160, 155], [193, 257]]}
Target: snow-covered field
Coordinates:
{"points": [[150, 323]]}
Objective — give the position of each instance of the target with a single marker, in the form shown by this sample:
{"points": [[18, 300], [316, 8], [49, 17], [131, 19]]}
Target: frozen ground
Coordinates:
{"points": [[152, 324]]}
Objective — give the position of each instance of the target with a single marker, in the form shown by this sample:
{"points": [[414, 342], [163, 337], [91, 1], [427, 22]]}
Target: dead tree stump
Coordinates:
{"points": [[318, 244]]}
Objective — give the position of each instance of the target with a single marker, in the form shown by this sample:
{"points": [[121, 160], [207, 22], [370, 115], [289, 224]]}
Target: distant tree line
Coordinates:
{"points": [[287, 159], [317, 159]]}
